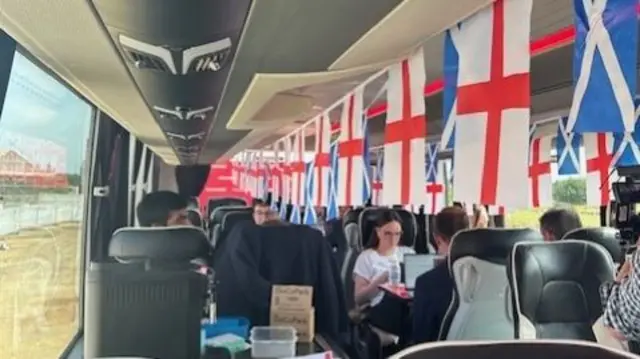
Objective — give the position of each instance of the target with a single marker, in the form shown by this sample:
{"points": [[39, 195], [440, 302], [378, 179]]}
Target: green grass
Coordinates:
{"points": [[528, 218]]}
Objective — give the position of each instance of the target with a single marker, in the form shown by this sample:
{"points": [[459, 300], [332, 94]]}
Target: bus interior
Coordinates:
{"points": [[105, 101]]}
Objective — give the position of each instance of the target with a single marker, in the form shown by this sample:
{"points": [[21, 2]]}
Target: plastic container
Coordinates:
{"points": [[226, 325], [273, 342], [394, 275]]}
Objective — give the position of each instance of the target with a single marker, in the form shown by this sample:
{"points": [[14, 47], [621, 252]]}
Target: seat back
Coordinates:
{"points": [[195, 217], [481, 305], [346, 275], [334, 234], [215, 203], [607, 237], [521, 349], [152, 305], [352, 229], [556, 288], [218, 214], [369, 216]]}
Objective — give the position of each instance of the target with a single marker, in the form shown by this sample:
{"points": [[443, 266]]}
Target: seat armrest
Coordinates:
{"points": [[328, 344]]}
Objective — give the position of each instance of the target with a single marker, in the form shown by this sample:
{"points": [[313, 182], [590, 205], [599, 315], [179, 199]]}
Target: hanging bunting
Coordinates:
{"points": [[540, 183], [598, 148], [310, 217], [626, 151], [298, 169], [404, 133], [321, 161], [493, 100], [567, 149], [351, 164], [435, 187], [604, 67], [332, 207]]}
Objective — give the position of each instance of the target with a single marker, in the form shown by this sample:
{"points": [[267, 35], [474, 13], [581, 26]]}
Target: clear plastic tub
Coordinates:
{"points": [[273, 342]]}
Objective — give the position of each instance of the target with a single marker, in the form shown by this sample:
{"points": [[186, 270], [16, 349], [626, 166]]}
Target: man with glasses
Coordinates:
{"points": [[261, 212]]}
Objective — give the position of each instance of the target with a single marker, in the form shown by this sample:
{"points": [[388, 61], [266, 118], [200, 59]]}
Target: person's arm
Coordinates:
{"points": [[365, 285], [622, 310]]}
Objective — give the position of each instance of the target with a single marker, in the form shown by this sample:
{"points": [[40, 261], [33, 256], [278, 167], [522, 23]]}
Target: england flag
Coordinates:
{"points": [[540, 193], [322, 161], [605, 59], [298, 172], [598, 148], [351, 152], [404, 133], [493, 105]]}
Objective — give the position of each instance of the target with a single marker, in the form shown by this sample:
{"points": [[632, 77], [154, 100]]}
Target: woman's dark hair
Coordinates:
{"points": [[385, 216]]}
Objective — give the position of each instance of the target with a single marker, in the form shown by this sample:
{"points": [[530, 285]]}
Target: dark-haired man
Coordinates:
{"points": [[557, 222], [433, 289], [162, 209], [261, 211]]}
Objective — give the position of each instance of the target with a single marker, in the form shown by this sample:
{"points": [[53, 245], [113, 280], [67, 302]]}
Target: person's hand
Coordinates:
{"points": [[624, 271], [381, 279]]}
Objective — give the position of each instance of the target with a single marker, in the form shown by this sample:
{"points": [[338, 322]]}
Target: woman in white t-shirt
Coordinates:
{"points": [[373, 265]]}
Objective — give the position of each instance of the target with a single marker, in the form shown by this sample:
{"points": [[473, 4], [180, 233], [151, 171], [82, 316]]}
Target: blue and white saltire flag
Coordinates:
{"points": [[567, 149], [431, 162], [296, 216], [283, 210], [366, 158], [604, 66], [450, 90], [310, 217], [332, 208], [625, 145]]}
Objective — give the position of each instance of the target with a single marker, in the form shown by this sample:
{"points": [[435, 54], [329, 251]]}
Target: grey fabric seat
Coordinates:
{"points": [[352, 228], [481, 300]]}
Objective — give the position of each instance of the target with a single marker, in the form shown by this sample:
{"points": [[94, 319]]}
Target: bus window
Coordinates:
{"points": [[44, 130]]}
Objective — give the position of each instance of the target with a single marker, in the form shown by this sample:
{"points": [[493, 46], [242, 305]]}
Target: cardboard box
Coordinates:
{"points": [[302, 320], [291, 306], [291, 297]]}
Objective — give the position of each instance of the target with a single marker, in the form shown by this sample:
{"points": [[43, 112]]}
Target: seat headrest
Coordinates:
{"points": [[489, 244], [218, 214], [607, 237], [193, 203], [352, 216], [369, 216], [562, 260], [226, 202], [194, 217], [232, 219], [173, 244]]}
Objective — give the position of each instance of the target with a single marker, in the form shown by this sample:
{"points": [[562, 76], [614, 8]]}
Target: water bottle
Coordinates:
{"points": [[394, 273]]}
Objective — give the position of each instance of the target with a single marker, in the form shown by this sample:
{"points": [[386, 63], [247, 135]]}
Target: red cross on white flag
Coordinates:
{"points": [[322, 162], [598, 149], [351, 164], [276, 172], [436, 191], [376, 186], [405, 130], [492, 129], [540, 193], [298, 177]]}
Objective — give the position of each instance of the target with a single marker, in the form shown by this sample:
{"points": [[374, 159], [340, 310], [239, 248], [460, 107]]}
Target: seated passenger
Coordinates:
{"points": [[373, 265], [260, 211], [433, 289], [557, 222], [162, 209], [480, 216]]}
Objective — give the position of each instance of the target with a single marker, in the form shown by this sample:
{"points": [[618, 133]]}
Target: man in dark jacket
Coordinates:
{"points": [[433, 289]]}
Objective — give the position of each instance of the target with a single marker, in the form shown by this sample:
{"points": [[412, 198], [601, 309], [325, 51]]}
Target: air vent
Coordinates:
{"points": [[146, 56], [186, 137], [209, 57], [183, 113]]}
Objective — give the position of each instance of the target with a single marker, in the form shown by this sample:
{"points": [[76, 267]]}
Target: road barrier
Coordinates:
{"points": [[14, 219]]}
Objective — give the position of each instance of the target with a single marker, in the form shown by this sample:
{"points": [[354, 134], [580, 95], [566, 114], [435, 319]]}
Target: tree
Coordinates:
{"points": [[570, 191]]}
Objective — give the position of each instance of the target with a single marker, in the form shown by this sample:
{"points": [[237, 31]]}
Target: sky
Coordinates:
{"points": [[43, 120]]}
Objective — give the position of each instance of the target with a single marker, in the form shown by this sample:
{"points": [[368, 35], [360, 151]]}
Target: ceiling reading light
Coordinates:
{"points": [[191, 137], [207, 57], [183, 113], [146, 56]]}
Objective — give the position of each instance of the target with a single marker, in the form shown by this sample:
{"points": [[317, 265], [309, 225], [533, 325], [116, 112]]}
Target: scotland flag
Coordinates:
{"points": [[625, 145], [332, 207], [604, 66], [283, 210], [310, 217], [450, 91], [296, 216], [431, 162], [567, 150]]}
